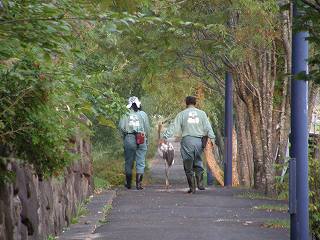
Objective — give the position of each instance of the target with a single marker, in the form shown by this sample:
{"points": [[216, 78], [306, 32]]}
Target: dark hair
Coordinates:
{"points": [[135, 107], [191, 100]]}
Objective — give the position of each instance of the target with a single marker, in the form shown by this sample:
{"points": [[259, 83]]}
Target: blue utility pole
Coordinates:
{"points": [[228, 123], [299, 130]]}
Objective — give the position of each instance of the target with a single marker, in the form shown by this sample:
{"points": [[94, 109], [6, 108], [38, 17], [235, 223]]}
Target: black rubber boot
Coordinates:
{"points": [[199, 179], [128, 181], [191, 183], [139, 178]]}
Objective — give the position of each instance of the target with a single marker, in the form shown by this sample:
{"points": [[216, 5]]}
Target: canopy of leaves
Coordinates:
{"points": [[309, 20], [56, 76]]}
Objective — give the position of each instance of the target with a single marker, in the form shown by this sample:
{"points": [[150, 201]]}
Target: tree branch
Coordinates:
{"points": [[27, 20], [312, 5], [13, 131], [21, 95]]}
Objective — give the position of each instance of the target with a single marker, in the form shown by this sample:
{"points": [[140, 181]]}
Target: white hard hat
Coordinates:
{"points": [[133, 100]]}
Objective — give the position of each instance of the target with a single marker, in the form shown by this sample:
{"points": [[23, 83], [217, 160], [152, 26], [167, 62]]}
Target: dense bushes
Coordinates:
{"points": [[45, 86], [34, 123], [314, 194]]}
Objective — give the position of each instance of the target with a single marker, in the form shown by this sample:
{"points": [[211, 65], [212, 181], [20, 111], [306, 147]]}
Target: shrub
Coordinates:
{"points": [[314, 195]]}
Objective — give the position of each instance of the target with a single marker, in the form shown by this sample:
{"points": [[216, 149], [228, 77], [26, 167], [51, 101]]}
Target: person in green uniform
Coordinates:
{"points": [[134, 122], [192, 125]]}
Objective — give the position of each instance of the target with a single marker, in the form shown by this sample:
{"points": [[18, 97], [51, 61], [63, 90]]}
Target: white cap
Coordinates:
{"points": [[133, 100]]}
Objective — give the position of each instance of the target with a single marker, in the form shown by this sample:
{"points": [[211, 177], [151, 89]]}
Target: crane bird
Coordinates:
{"points": [[167, 150]]}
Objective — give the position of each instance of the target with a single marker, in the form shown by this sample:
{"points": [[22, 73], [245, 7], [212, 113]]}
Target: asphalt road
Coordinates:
{"points": [[157, 213]]}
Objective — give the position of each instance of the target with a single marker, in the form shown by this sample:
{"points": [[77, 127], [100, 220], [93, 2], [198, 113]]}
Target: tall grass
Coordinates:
{"points": [[108, 167]]}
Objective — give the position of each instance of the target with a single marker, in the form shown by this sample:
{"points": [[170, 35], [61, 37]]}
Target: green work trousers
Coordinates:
{"points": [[191, 151]]}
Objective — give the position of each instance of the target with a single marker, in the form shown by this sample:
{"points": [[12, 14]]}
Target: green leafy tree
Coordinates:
{"points": [[46, 91]]}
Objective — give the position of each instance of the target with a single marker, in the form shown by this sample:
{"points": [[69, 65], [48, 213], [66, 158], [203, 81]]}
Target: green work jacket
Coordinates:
{"points": [[134, 122], [190, 122]]}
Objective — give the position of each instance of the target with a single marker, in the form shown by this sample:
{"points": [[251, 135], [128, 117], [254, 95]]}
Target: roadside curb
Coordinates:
{"points": [[87, 225]]}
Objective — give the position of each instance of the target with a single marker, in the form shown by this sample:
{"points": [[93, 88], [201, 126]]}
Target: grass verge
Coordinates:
{"points": [[257, 195], [81, 210], [283, 223], [270, 207], [106, 209], [108, 172]]}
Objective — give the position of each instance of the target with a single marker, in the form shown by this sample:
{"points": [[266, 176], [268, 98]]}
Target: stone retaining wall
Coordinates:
{"points": [[31, 208]]}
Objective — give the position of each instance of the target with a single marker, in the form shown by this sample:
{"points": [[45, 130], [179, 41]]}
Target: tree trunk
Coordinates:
{"points": [[235, 176], [259, 101], [219, 143], [244, 148], [282, 120], [258, 159], [213, 164], [313, 95]]}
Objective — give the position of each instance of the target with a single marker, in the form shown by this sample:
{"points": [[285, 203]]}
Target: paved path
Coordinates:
{"points": [[86, 226], [157, 213], [160, 214]]}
